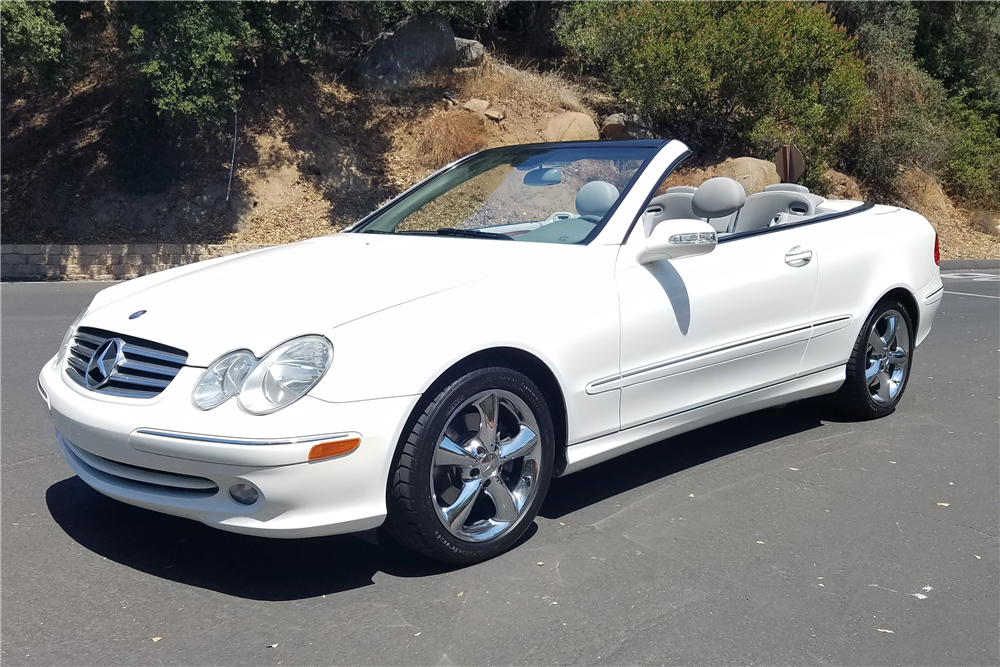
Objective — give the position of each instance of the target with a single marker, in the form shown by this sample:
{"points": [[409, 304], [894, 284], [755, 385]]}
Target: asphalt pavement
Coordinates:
{"points": [[783, 537]]}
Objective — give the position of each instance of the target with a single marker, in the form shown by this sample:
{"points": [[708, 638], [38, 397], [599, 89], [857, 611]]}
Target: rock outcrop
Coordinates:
{"points": [[571, 126], [470, 53], [417, 45]]}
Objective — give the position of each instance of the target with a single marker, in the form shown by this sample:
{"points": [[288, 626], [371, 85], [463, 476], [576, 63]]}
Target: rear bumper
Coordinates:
{"points": [[167, 456], [928, 300]]}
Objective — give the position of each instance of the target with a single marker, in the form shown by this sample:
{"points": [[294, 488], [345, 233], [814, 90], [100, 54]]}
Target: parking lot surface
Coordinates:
{"points": [[782, 537]]}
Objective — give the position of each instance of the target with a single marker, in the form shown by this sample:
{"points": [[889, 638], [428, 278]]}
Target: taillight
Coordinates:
{"points": [[937, 250]]}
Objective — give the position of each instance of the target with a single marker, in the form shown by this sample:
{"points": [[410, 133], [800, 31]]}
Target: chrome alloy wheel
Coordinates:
{"points": [[887, 356], [485, 467]]}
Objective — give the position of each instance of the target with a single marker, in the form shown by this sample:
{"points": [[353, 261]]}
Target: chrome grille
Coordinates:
{"points": [[145, 370]]}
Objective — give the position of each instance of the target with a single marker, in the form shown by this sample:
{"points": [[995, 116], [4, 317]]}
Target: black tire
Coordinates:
{"points": [[413, 506], [855, 398]]}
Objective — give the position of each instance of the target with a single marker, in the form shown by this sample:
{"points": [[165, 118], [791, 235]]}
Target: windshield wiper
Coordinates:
{"points": [[471, 233]]}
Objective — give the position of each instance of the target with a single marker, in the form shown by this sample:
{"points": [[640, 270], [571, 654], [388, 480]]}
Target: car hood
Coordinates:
{"points": [[257, 300]]}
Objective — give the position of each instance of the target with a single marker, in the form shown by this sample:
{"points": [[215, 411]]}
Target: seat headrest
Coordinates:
{"points": [[689, 189], [717, 198], [596, 198], [785, 187]]}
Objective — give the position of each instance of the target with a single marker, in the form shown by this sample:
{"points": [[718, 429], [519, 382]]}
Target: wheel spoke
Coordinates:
{"points": [[450, 453], [488, 407], [502, 498], [890, 331], [898, 358], [456, 513], [883, 386], [519, 445], [872, 370], [875, 341]]}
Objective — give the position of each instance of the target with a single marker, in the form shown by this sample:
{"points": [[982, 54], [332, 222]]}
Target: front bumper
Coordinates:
{"points": [[165, 455]]}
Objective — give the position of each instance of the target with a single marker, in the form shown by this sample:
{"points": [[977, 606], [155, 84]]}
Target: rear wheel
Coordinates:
{"points": [[474, 469], [879, 367]]}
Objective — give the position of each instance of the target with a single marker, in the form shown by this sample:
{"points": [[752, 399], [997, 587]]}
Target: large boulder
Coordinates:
{"points": [[753, 174], [625, 126], [571, 126], [470, 52], [417, 45]]}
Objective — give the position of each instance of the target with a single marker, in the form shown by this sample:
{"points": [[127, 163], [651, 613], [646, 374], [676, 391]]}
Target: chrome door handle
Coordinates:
{"points": [[798, 257]]}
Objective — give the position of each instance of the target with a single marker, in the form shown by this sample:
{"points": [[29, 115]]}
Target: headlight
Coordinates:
{"points": [[223, 379], [282, 377], [68, 338]]}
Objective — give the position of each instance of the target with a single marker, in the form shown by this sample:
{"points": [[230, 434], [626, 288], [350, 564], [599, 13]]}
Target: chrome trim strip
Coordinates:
{"points": [[597, 386], [240, 441], [724, 348], [933, 294]]}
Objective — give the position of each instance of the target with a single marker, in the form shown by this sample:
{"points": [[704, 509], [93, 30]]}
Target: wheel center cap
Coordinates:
{"points": [[490, 464]]}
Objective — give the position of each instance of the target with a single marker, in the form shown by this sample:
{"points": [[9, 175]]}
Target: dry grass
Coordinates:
{"points": [[524, 93], [445, 137], [985, 222]]}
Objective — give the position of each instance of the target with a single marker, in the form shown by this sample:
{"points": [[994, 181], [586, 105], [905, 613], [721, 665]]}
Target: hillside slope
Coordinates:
{"points": [[313, 155]]}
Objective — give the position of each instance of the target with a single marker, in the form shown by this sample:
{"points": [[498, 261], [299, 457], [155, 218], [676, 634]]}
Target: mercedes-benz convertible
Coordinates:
{"points": [[523, 313]]}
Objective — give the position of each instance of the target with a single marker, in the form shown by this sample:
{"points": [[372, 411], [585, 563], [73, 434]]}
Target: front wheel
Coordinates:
{"points": [[879, 367], [474, 469]]}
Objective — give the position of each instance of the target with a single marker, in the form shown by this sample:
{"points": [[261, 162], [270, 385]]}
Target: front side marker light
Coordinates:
{"points": [[326, 450]]}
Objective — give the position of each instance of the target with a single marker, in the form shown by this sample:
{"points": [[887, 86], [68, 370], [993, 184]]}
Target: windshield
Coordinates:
{"points": [[547, 194]]}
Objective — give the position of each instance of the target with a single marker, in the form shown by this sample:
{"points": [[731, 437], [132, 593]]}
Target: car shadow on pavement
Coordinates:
{"points": [[270, 569], [244, 566], [668, 457]]}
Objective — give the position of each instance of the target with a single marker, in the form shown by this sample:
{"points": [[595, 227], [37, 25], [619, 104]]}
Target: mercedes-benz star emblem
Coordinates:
{"points": [[138, 313], [103, 363]]}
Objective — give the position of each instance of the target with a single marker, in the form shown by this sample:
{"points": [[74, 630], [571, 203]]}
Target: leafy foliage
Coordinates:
{"points": [[32, 38], [753, 74], [972, 169], [911, 120], [188, 54]]}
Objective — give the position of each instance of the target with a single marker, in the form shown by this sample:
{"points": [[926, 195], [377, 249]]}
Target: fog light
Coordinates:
{"points": [[244, 494]]}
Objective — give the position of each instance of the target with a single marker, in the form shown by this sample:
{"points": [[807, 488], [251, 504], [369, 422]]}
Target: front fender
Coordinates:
{"points": [[567, 317]]}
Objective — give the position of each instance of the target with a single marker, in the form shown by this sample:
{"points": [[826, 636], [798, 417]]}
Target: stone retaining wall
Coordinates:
{"points": [[103, 262]]}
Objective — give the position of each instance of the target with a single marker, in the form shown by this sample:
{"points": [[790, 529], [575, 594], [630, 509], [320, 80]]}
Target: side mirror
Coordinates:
{"points": [[673, 239]]}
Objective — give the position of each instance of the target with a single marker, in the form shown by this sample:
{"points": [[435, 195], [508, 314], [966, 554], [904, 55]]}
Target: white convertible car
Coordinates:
{"points": [[523, 313]]}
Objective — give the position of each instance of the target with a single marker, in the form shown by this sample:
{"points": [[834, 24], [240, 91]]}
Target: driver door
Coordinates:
{"points": [[705, 328]]}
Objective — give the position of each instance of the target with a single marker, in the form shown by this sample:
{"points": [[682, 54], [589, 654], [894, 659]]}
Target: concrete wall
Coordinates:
{"points": [[103, 262]]}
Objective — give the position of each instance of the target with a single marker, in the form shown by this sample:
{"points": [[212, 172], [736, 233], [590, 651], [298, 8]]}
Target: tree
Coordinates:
{"points": [[749, 75]]}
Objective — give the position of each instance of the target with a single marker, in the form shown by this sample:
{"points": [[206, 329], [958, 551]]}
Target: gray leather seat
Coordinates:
{"points": [[596, 198], [785, 187], [718, 201], [773, 206], [673, 206]]}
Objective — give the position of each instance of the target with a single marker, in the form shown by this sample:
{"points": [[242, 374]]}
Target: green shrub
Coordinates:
{"points": [[750, 75], [972, 169], [187, 52], [32, 38]]}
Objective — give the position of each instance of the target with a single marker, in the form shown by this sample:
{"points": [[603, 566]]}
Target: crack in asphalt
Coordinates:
{"points": [[30, 461]]}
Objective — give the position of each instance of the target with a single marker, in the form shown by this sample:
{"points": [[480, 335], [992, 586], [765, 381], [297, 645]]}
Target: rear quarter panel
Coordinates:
{"points": [[861, 258]]}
